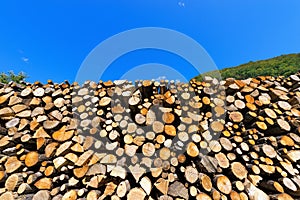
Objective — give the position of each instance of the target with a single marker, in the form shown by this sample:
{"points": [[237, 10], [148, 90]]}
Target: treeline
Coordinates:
{"points": [[283, 65], [11, 76]]}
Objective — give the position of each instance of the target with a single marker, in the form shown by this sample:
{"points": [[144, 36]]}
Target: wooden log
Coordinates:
{"points": [[222, 160], [148, 149], [282, 196], [62, 134], [50, 124], [12, 164], [93, 194], [164, 153], [59, 162], [254, 192], [118, 171], [7, 196], [146, 184], [205, 182], [223, 184], [136, 194], [44, 184], [42, 195], [178, 189], [158, 127], [123, 188], [32, 158], [49, 171], [272, 186], [109, 190], [236, 116], [24, 188], [13, 182], [239, 170], [6, 113], [170, 130], [293, 155], [162, 185], [70, 195], [168, 117], [137, 171], [81, 171], [269, 151], [191, 174], [4, 98], [192, 150]]}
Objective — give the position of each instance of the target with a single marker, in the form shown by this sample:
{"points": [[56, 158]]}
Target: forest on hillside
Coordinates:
{"points": [[283, 65]]}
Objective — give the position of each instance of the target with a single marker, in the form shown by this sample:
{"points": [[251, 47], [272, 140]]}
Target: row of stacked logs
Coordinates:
{"points": [[233, 139]]}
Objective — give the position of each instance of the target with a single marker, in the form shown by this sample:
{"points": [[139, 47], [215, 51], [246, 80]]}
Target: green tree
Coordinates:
{"points": [[11, 76], [283, 65]]}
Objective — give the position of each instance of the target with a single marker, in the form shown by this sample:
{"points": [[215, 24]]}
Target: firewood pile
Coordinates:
{"points": [[233, 139]]}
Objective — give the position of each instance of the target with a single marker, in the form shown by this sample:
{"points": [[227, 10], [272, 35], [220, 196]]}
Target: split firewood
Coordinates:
{"points": [[7, 196], [210, 139], [12, 164], [123, 188], [44, 184], [136, 194], [162, 185], [42, 195], [13, 182], [178, 189]]}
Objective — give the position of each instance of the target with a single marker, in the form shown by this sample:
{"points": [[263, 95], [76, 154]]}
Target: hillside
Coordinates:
{"points": [[283, 65]]}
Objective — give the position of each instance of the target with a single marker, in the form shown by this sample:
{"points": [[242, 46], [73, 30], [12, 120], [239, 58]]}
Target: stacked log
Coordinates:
{"points": [[232, 139]]}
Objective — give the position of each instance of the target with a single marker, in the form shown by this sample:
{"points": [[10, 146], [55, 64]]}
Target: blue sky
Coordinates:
{"points": [[51, 39]]}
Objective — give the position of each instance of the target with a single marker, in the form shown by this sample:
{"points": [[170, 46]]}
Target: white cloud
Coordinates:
{"points": [[161, 78], [25, 59], [181, 4]]}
